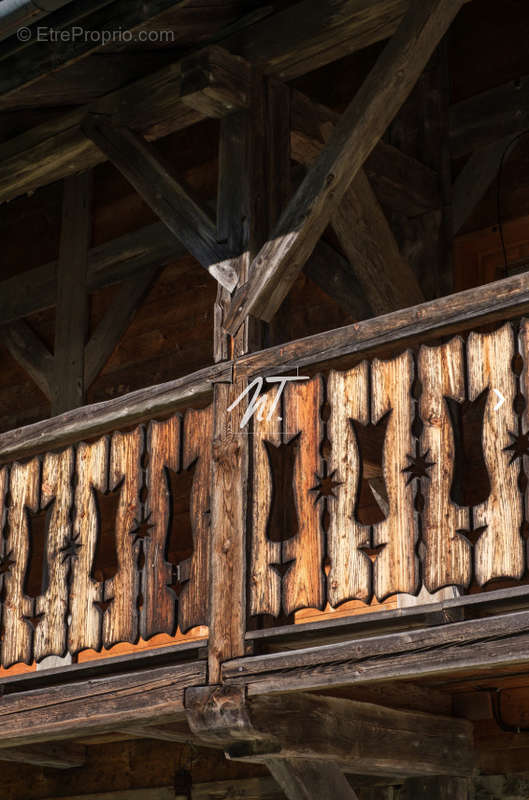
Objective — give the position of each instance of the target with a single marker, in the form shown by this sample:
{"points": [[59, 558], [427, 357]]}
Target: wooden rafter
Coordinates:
{"points": [[115, 322], [31, 353], [71, 321], [302, 779], [154, 106], [142, 167], [366, 118]]}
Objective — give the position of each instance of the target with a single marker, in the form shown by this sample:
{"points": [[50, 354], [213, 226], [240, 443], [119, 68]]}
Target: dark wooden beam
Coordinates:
{"points": [[361, 126], [26, 64], [31, 353], [109, 263], [479, 644], [489, 116], [152, 696], [347, 734], [115, 322], [334, 275], [242, 221], [154, 106], [71, 318], [474, 180], [142, 167], [52, 756], [387, 280], [309, 35], [301, 779], [401, 183]]}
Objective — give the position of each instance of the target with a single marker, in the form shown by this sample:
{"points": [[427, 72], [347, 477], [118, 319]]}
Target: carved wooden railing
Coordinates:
{"points": [[444, 455], [106, 542], [364, 483]]}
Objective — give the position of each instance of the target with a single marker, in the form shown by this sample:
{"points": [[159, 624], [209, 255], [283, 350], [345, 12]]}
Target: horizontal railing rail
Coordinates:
{"points": [[397, 461]]}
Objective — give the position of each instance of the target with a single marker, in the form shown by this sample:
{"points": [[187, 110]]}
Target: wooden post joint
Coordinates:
{"points": [[219, 717]]}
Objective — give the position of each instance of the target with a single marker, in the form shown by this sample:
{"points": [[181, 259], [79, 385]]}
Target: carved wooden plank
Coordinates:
{"points": [[303, 583], [447, 559], [228, 528], [57, 474], [395, 568], [265, 581], [120, 622], [499, 550], [194, 600], [24, 490], [163, 445], [85, 591], [350, 573]]}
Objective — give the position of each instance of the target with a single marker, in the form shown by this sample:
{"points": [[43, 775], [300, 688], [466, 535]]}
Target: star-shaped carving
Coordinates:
{"points": [[473, 536], [71, 547], [6, 562], [142, 528], [519, 445], [418, 466], [282, 569], [103, 605], [33, 621], [325, 485], [372, 552]]}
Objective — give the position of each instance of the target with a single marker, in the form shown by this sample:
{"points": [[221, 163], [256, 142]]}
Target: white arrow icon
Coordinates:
{"points": [[500, 402]]}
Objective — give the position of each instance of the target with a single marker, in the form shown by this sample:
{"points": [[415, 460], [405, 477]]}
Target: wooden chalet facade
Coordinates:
{"points": [[264, 400]]}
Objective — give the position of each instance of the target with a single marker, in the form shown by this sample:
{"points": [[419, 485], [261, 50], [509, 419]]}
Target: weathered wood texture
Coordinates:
{"points": [[302, 779], [100, 539], [350, 572], [347, 734], [363, 123], [448, 556], [154, 695], [499, 550], [141, 165], [155, 106], [440, 453]]}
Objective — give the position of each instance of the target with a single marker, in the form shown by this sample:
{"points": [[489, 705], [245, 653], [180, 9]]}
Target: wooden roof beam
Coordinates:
{"points": [[31, 353], [361, 126], [401, 182], [302, 779], [140, 164], [163, 102], [329, 731]]}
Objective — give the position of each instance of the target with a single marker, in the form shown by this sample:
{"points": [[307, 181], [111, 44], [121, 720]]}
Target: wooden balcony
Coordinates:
{"points": [[368, 478]]}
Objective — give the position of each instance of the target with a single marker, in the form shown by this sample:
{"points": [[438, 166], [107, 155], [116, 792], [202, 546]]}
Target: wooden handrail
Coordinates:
{"points": [[502, 300]]}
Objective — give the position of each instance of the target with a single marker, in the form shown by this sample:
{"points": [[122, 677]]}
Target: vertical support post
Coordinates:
{"points": [[71, 315], [246, 174], [72, 299]]}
